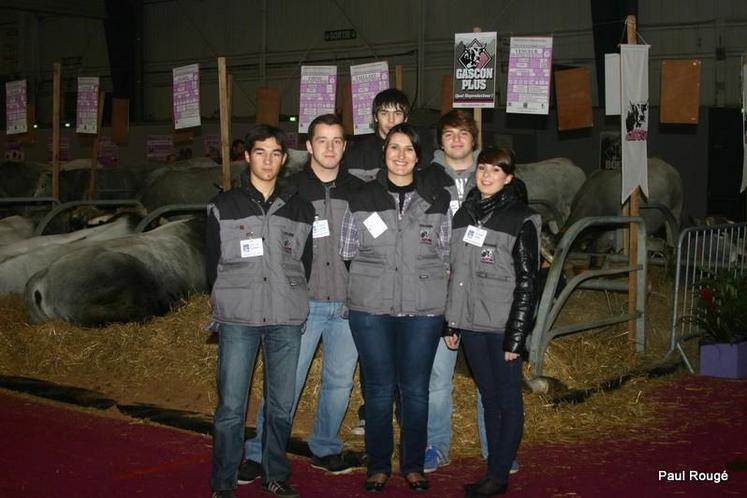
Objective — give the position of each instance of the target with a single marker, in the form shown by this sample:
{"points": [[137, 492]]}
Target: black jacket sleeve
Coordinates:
{"points": [[526, 267], [307, 257], [212, 248]]}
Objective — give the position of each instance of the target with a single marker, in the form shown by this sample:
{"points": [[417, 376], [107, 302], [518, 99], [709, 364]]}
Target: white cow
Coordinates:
{"points": [[37, 253], [15, 228], [555, 181]]}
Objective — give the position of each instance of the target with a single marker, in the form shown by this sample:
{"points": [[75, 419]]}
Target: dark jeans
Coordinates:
{"points": [[396, 355], [237, 352], [499, 383]]}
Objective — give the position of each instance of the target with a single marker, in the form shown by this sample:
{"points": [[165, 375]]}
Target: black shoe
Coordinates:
{"points": [[485, 487], [224, 493], [280, 488], [375, 483], [334, 464], [249, 471], [417, 481]]}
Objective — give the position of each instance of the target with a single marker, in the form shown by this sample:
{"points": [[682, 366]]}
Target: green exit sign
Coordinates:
{"points": [[340, 34]]}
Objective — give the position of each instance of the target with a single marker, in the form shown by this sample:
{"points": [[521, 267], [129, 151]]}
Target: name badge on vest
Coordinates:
{"points": [[453, 207], [251, 248], [320, 229], [375, 225], [475, 236]]}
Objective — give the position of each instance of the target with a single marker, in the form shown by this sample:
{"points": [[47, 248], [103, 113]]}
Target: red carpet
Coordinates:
{"points": [[52, 451]]}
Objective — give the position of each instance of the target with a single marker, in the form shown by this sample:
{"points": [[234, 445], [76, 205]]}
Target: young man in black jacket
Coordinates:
{"points": [[258, 261]]}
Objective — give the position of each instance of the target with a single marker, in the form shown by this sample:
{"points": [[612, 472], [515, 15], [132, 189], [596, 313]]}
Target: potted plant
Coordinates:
{"points": [[720, 310]]}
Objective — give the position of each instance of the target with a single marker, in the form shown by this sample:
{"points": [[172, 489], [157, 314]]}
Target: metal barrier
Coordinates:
{"points": [[533, 203], [700, 252], [170, 208], [549, 308], [27, 200], [73, 204]]}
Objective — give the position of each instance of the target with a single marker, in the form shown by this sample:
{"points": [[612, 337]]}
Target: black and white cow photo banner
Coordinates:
{"points": [[634, 121]]}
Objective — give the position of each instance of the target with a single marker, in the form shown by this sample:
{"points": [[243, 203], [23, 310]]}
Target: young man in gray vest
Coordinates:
{"points": [[327, 185], [258, 261]]}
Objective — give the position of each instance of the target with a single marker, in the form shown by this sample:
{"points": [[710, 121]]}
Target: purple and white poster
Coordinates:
{"points": [[160, 147], [14, 151], [15, 107], [108, 151], [212, 145], [64, 148], [186, 95], [87, 105], [366, 80], [474, 69], [317, 94], [529, 72]]}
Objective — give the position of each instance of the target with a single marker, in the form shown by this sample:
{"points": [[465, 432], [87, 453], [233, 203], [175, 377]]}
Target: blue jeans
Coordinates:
{"points": [[499, 382], [441, 401], [237, 352], [338, 366], [396, 355]]}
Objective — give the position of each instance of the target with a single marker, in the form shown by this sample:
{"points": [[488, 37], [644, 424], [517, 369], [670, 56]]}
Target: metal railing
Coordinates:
{"points": [[549, 307], [73, 204], [701, 251], [170, 208]]}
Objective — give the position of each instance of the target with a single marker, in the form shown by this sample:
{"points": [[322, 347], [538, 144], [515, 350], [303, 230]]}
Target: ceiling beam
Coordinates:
{"points": [[72, 8]]}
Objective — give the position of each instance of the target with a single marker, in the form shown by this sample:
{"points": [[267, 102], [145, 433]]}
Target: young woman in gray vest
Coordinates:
{"points": [[396, 236], [492, 296]]}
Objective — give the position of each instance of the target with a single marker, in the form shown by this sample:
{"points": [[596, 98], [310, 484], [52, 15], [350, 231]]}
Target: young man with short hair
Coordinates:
{"points": [[453, 167], [258, 261], [327, 186], [365, 157]]}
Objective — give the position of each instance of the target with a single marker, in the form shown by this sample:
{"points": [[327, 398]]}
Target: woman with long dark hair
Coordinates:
{"points": [[492, 296], [396, 237]]}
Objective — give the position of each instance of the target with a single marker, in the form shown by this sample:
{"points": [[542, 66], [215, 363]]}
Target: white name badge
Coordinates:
{"points": [[375, 225], [251, 248], [454, 207], [475, 235], [320, 229]]}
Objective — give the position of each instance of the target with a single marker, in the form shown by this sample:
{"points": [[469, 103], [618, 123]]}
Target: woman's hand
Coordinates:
{"points": [[508, 356], [452, 341]]}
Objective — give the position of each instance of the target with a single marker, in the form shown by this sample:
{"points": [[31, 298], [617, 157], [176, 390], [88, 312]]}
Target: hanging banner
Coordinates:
{"points": [[366, 80], [529, 64], [87, 108], [634, 121], [474, 69], [317, 94], [612, 84], [15, 107], [744, 125], [186, 96]]}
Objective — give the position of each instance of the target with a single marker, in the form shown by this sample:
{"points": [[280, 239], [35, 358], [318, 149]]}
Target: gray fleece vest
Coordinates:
{"points": [[399, 272], [329, 277], [261, 290], [481, 289]]}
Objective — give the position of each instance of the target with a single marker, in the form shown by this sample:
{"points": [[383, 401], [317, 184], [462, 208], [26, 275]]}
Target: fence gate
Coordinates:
{"points": [[701, 251]]}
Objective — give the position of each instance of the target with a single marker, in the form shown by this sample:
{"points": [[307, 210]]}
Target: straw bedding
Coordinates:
{"points": [[170, 361]]}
